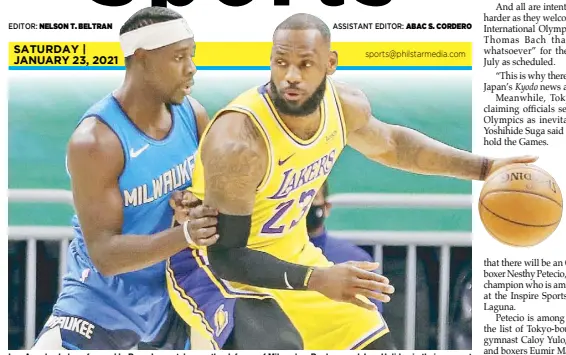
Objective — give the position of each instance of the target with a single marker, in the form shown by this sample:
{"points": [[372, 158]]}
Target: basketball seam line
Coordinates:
{"points": [[524, 192], [493, 234], [519, 223]]}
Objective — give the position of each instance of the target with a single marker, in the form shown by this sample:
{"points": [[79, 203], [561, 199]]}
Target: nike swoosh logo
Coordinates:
{"points": [[281, 162], [135, 153]]}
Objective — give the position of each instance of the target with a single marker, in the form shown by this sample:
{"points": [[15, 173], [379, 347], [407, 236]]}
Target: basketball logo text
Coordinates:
{"points": [[520, 176]]}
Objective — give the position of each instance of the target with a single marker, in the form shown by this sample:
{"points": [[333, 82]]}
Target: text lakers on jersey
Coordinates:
{"points": [[294, 179]]}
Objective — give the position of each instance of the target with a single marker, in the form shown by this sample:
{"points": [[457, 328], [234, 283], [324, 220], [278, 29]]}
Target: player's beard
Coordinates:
{"points": [[306, 108]]}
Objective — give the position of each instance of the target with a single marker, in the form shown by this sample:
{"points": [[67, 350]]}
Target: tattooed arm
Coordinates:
{"points": [[234, 158], [406, 149], [234, 161]]}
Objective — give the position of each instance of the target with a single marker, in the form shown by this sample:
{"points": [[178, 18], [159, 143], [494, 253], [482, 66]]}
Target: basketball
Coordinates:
{"points": [[520, 205]]}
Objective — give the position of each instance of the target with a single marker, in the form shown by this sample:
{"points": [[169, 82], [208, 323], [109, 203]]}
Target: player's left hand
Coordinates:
{"points": [[201, 219], [182, 202], [499, 163]]}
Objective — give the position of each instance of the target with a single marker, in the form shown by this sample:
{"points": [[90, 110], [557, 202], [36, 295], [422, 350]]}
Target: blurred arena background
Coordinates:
{"points": [[419, 227]]}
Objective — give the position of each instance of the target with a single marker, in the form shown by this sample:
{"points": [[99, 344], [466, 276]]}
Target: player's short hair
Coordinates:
{"points": [[303, 21], [148, 16]]}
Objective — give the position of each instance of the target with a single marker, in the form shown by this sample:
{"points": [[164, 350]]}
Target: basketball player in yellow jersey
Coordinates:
{"points": [[260, 163]]}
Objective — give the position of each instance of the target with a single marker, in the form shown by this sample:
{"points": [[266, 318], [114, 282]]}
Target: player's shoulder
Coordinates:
{"points": [[355, 104], [233, 141], [196, 106], [200, 114], [350, 94], [234, 125], [93, 139], [232, 134], [238, 111]]}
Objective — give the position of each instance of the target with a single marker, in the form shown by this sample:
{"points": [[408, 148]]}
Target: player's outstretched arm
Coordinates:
{"points": [[95, 161], [406, 149]]}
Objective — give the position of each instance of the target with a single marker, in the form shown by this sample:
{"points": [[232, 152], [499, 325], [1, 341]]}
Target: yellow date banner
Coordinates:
{"points": [[226, 55]]}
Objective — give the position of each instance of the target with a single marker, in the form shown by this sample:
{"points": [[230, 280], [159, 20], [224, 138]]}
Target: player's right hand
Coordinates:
{"points": [[202, 225], [347, 281]]}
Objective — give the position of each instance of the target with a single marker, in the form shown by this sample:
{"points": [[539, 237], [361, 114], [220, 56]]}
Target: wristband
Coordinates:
{"points": [[190, 241], [308, 277]]}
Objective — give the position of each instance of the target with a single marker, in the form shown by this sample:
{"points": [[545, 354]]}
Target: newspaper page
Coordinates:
{"points": [[519, 109], [284, 176]]}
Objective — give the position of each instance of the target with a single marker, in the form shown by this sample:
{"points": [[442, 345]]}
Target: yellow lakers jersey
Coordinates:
{"points": [[296, 170]]}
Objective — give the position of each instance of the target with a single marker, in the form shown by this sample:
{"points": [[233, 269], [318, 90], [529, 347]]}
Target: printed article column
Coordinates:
{"points": [[520, 109]]}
